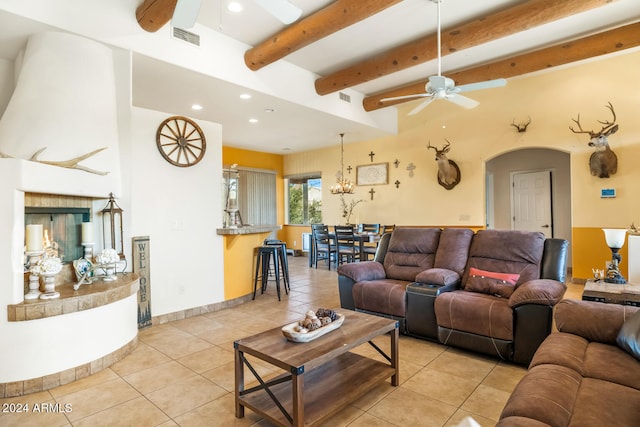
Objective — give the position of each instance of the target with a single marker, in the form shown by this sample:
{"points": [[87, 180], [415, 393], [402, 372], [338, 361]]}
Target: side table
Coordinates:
{"points": [[612, 293]]}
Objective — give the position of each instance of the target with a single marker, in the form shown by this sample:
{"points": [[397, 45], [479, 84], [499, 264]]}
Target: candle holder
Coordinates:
{"points": [[34, 277], [49, 286], [88, 250]]}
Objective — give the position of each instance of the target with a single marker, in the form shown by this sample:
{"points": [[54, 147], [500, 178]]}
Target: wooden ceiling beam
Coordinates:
{"points": [[336, 16], [599, 44], [473, 33], [153, 14]]}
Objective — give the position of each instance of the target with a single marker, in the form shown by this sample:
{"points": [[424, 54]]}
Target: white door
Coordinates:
{"points": [[531, 202]]}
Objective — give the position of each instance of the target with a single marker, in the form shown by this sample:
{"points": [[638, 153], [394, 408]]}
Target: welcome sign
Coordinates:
{"points": [[141, 267]]}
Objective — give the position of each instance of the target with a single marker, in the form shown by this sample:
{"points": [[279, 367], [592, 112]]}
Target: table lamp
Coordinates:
{"points": [[615, 240]]}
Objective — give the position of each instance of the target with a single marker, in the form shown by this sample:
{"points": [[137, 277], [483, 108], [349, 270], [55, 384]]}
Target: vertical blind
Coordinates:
{"points": [[257, 196]]}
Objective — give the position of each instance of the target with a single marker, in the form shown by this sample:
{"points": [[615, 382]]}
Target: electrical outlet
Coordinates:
{"points": [[295, 244]]}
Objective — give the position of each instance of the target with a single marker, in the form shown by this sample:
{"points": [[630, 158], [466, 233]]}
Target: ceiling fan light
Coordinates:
{"points": [[234, 7]]}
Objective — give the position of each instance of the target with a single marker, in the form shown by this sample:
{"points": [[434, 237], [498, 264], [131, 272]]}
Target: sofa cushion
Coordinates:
{"points": [[475, 313], [604, 320], [492, 283], [453, 249], [381, 296], [604, 403], [586, 358], [438, 276], [629, 336], [506, 251], [411, 250], [546, 393]]}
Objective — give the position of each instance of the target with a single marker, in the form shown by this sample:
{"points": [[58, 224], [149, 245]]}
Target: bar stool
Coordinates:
{"points": [[282, 258], [263, 261]]}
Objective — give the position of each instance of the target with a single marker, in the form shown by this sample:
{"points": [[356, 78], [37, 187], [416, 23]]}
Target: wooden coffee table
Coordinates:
{"points": [[321, 377]]}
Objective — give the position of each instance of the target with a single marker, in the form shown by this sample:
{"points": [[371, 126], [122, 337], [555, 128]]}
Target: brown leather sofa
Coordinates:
{"points": [[423, 277], [581, 376]]}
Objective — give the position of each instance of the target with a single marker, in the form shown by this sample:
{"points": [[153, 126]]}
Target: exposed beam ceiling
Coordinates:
{"points": [[153, 14], [599, 44], [338, 15], [473, 33]]}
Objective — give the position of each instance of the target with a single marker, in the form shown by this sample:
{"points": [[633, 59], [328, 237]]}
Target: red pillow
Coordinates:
{"points": [[492, 283]]}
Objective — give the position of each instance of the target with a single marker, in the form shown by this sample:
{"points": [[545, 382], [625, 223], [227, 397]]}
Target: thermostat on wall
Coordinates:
{"points": [[608, 193]]}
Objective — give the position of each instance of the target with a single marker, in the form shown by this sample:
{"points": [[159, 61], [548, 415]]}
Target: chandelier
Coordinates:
{"points": [[343, 185]]}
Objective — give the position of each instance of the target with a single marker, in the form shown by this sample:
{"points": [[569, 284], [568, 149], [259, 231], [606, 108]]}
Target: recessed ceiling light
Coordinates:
{"points": [[253, 120], [245, 96], [196, 107], [234, 6]]}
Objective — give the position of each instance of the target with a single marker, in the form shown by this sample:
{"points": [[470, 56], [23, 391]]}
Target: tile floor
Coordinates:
{"points": [[181, 374]]}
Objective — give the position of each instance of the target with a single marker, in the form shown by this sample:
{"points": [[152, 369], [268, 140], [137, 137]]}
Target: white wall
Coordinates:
{"points": [[179, 209]]}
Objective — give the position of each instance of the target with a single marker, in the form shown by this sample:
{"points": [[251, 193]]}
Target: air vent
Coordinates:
{"points": [[186, 36], [344, 97]]}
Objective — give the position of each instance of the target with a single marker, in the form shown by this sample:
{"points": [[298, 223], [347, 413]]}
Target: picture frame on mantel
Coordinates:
{"points": [[372, 174]]}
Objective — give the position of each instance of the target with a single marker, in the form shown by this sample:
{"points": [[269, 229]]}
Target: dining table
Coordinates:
{"points": [[362, 238]]}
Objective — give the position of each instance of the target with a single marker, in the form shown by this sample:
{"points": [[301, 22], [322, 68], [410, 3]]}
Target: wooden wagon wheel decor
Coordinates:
{"points": [[181, 141]]}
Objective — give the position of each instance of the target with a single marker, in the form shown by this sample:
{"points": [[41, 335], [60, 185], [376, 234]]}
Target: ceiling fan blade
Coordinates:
{"points": [[185, 14], [421, 106], [481, 85], [282, 10], [397, 98], [462, 101]]}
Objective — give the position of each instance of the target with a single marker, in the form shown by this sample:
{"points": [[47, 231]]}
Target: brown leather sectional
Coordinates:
{"points": [[580, 376], [439, 284]]}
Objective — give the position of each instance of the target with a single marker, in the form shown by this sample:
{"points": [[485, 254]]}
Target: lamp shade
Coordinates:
{"points": [[615, 237]]}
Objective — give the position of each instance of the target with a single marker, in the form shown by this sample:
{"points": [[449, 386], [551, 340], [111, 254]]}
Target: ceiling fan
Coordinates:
{"points": [[186, 11], [441, 87]]}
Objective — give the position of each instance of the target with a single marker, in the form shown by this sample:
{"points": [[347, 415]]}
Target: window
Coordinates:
{"points": [[304, 195]]}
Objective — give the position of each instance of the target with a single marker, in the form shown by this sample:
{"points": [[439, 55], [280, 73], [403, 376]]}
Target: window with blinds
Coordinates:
{"points": [[257, 196]]}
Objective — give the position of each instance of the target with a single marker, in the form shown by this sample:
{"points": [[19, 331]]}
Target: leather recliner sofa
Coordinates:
{"points": [[586, 374], [432, 279]]}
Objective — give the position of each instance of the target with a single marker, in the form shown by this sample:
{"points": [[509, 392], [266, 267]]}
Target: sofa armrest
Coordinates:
{"points": [[594, 321], [361, 271], [539, 291]]}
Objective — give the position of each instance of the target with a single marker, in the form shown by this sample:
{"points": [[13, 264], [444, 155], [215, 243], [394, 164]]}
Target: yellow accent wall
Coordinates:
{"points": [[239, 261], [591, 251], [551, 98]]}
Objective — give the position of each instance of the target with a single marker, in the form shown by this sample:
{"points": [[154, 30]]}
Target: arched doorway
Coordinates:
{"points": [[499, 187]]}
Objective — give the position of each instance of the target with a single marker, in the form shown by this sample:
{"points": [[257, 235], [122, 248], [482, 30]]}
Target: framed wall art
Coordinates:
{"points": [[373, 174]]}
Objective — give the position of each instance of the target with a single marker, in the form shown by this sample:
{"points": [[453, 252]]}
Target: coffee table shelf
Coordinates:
{"points": [[320, 377]]}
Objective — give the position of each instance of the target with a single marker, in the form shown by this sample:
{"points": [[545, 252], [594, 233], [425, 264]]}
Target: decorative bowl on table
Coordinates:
{"points": [[314, 325]]}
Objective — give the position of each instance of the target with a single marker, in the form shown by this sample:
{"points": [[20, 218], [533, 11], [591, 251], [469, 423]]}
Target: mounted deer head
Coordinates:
{"points": [[603, 162], [522, 127], [448, 170]]}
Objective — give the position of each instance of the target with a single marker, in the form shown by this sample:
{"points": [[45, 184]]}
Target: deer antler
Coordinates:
{"points": [[607, 129], [431, 146], [522, 127]]}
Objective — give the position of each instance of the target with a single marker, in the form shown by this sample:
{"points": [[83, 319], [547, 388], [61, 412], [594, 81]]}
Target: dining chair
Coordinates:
{"points": [[369, 228], [388, 228], [323, 247], [346, 243]]}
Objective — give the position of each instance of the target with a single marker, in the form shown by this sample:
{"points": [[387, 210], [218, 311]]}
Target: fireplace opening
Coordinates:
{"points": [[62, 228]]}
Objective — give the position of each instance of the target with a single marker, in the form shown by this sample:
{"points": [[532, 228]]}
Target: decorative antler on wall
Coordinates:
{"points": [[69, 164], [603, 162], [448, 170], [522, 127]]}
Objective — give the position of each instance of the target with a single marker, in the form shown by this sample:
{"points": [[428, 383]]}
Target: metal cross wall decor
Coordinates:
{"points": [[371, 154], [372, 191]]}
